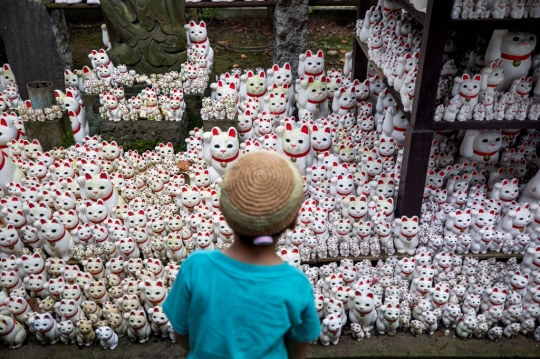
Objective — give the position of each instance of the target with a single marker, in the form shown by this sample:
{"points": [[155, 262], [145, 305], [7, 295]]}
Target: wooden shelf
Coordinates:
{"points": [[210, 4], [488, 255], [379, 72], [493, 24], [484, 125], [81, 5], [417, 15]]}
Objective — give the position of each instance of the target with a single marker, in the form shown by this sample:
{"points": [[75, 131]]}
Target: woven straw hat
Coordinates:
{"points": [[261, 194]]}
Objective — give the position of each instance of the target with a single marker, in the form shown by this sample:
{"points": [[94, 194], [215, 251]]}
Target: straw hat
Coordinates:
{"points": [[261, 194]]}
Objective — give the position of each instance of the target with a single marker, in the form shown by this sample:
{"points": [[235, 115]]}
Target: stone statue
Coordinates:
{"points": [[146, 35]]}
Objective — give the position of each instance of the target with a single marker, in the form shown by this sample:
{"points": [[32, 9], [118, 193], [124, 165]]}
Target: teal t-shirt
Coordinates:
{"points": [[231, 309]]}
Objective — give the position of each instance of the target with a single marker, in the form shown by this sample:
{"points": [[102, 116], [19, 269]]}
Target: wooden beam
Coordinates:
{"points": [[416, 152]]}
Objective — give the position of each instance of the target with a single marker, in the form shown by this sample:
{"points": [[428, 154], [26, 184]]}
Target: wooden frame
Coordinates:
{"points": [[436, 23]]}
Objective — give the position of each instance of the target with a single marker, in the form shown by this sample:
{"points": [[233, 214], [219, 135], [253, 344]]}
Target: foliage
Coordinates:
{"points": [[67, 140], [209, 14]]}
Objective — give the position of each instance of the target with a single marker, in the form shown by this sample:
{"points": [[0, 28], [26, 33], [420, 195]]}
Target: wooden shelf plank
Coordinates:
{"points": [[81, 5], [210, 4], [417, 15], [485, 125], [379, 72], [493, 24], [488, 255]]}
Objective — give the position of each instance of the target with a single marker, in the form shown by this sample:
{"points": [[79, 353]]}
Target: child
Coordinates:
{"points": [[245, 302]]}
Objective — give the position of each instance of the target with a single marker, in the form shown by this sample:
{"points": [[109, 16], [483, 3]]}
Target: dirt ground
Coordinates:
{"points": [[244, 44], [402, 345]]}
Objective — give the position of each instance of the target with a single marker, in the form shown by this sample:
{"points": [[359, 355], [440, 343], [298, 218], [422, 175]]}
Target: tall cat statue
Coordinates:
{"points": [[197, 35], [221, 150], [295, 145], [515, 49]]}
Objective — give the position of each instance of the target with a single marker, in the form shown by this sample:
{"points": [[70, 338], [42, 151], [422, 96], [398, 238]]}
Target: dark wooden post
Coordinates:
{"points": [[35, 42], [419, 137], [360, 60]]}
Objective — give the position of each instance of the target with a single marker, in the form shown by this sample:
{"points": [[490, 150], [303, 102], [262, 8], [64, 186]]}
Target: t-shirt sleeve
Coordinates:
{"points": [[176, 305], [308, 327]]}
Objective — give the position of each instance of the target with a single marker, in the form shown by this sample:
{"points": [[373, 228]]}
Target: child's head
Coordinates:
{"points": [[261, 195]]}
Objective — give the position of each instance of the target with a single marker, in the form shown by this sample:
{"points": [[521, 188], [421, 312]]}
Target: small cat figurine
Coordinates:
{"points": [[253, 86], [311, 64], [100, 58], [467, 88], [312, 96], [344, 101]]}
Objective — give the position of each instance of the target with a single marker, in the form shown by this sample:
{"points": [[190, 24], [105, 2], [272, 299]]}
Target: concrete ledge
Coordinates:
{"points": [[143, 130], [224, 125], [402, 345], [50, 133]]}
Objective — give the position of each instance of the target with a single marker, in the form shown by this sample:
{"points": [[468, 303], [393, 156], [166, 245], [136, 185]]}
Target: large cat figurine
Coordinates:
{"points": [[101, 187], [515, 49], [311, 64], [481, 146], [295, 144], [220, 151]]}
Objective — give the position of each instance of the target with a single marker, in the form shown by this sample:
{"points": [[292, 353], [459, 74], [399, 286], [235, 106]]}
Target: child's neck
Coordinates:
{"points": [[263, 255]]}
